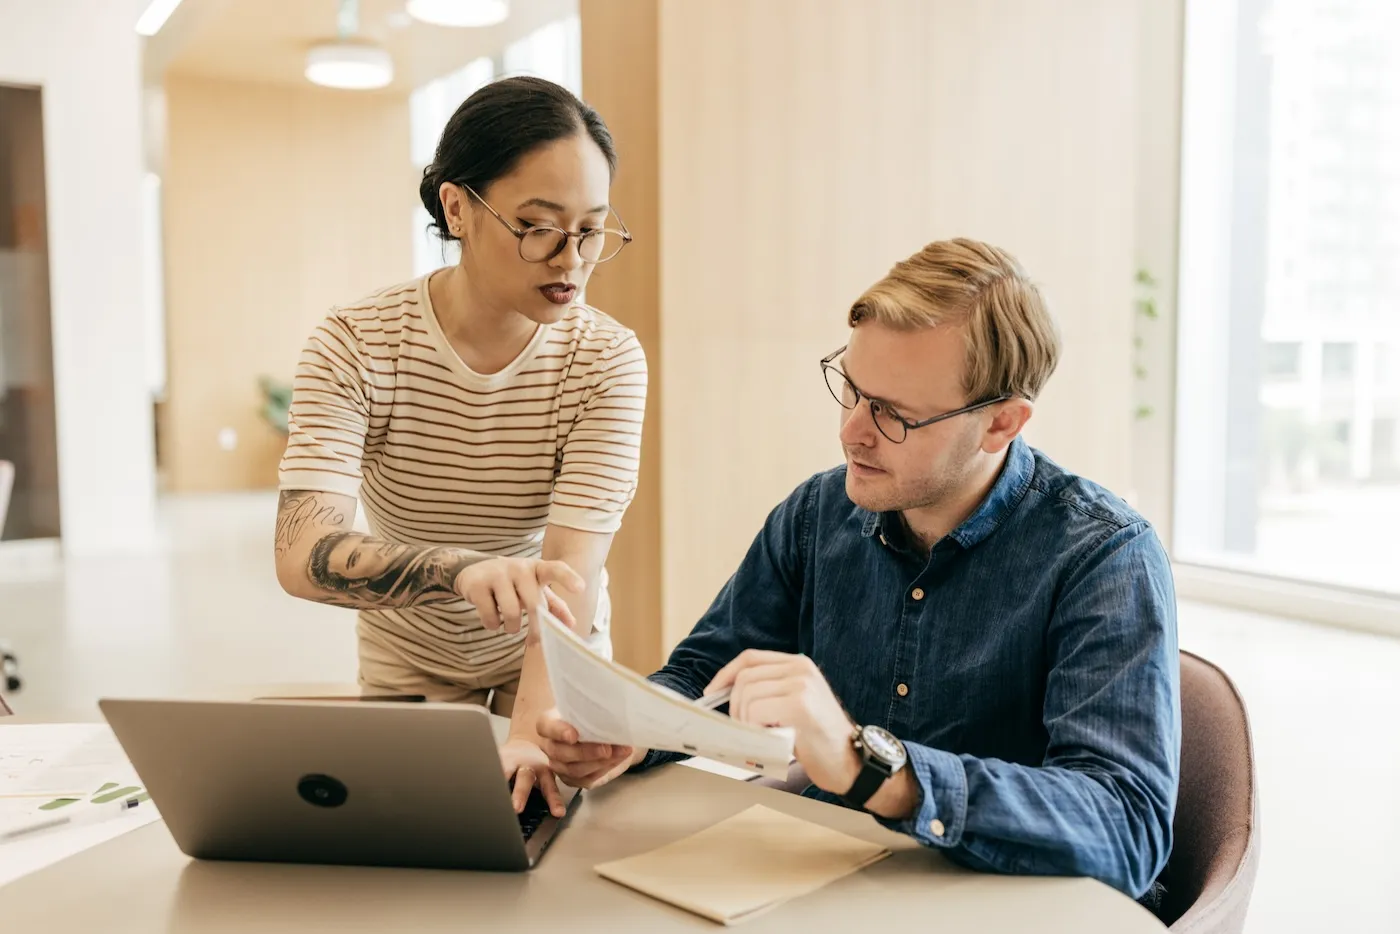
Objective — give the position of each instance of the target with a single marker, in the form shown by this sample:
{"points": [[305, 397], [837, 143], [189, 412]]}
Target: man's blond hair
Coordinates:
{"points": [[1012, 342]]}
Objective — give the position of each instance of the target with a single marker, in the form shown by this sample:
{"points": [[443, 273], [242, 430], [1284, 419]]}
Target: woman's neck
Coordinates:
{"points": [[486, 338]]}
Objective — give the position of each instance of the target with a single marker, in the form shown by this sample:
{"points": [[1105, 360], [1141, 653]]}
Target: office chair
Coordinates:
{"points": [[1215, 854]]}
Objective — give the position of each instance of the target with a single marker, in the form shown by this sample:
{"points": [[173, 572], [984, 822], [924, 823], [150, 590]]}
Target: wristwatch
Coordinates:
{"points": [[881, 756]]}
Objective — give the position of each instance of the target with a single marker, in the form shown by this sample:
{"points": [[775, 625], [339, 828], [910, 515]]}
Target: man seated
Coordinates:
{"points": [[970, 642]]}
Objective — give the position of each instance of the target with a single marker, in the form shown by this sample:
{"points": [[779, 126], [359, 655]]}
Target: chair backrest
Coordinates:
{"points": [[7, 484], [1215, 853]]}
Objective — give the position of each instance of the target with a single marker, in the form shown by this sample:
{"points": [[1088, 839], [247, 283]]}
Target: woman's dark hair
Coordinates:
{"points": [[498, 126]]}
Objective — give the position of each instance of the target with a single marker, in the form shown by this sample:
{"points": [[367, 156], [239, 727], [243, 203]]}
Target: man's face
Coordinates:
{"points": [[918, 374]]}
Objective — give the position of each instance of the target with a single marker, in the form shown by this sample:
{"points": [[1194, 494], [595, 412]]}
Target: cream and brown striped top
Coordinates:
{"points": [[384, 409]]}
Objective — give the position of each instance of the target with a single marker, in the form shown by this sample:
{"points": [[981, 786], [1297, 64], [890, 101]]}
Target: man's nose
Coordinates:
{"points": [[858, 426]]}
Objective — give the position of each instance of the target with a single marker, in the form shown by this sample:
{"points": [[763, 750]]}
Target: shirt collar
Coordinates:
{"points": [[1006, 494]]}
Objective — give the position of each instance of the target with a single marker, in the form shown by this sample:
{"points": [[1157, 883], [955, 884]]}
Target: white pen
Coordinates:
{"points": [[717, 699], [73, 814]]}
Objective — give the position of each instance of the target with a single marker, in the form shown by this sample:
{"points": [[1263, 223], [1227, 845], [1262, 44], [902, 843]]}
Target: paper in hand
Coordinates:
{"points": [[607, 703]]}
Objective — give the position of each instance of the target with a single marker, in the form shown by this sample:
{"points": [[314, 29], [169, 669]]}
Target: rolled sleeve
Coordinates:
{"points": [[941, 815]]}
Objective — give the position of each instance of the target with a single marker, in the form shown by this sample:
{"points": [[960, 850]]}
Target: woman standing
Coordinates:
{"points": [[488, 421]]}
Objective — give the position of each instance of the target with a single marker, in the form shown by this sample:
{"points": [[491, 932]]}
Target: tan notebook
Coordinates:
{"points": [[743, 866]]}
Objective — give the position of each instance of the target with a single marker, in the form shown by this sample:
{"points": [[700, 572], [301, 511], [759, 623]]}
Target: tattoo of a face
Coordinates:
{"points": [[297, 510], [369, 572]]}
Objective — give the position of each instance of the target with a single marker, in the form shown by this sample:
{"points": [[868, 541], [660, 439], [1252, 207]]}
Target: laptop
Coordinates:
{"points": [[346, 782]]}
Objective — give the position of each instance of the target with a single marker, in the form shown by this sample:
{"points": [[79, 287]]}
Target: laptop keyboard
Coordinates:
{"points": [[536, 810]]}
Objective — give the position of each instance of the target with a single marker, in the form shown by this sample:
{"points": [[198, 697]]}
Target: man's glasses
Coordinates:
{"points": [[889, 422], [540, 244]]}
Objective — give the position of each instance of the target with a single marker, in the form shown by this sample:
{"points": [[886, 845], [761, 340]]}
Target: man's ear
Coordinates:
{"points": [[1008, 420]]}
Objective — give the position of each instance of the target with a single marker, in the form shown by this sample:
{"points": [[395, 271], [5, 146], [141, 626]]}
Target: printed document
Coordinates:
{"points": [[607, 703]]}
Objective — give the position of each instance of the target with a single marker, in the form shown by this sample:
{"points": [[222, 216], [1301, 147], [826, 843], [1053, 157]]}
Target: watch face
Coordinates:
{"points": [[883, 745]]}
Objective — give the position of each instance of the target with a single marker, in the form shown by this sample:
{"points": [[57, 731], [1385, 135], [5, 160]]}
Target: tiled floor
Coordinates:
{"points": [[206, 614]]}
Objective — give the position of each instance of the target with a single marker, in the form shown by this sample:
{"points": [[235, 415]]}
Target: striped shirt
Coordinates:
{"points": [[384, 409]]}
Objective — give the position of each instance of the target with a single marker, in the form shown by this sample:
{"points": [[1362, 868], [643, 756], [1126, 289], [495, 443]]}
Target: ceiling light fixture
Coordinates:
{"points": [[461, 13], [349, 64], [155, 15]]}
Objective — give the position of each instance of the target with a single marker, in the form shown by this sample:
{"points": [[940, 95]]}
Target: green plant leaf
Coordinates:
{"points": [[277, 403]]}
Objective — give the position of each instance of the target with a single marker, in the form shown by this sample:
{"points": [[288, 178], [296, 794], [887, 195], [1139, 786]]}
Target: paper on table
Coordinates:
{"points": [[720, 768], [57, 759], [744, 866], [35, 851], [607, 703], [41, 762]]}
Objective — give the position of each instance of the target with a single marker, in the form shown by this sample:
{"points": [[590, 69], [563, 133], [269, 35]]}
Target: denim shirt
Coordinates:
{"points": [[1029, 663]]}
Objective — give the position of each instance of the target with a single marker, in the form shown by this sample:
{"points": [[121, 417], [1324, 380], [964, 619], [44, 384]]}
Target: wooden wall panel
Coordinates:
{"points": [[279, 202], [619, 78], [803, 147]]}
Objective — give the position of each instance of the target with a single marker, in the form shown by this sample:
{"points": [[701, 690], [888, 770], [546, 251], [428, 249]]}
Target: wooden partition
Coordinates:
{"points": [[779, 156], [619, 69]]}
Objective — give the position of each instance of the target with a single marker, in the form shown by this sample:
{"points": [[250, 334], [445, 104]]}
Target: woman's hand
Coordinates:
{"points": [[583, 765], [504, 589], [527, 764]]}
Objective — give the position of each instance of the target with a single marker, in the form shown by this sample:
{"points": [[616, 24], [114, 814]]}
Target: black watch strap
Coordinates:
{"points": [[868, 782]]}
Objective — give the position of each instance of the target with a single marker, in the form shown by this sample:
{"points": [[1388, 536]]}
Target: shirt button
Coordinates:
{"points": [[918, 593], [903, 690], [936, 828]]}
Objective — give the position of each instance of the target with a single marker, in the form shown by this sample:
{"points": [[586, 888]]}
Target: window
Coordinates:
{"points": [[1385, 449], [429, 109], [1286, 460], [1281, 359], [553, 51], [1338, 361]]}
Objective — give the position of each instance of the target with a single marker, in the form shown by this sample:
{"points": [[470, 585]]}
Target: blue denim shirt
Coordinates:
{"points": [[1029, 663]]}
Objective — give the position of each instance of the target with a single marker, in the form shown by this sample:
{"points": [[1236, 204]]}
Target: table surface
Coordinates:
{"points": [[141, 882]]}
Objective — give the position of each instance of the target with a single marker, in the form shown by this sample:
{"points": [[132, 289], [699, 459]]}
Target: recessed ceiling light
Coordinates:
{"points": [[155, 15], [349, 65], [459, 12]]}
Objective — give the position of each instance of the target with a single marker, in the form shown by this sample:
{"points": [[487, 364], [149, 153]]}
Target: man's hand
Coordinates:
{"points": [[583, 765], [777, 689], [525, 762], [502, 589]]}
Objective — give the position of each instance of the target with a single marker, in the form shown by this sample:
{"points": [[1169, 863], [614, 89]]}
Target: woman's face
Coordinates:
{"points": [[563, 184]]}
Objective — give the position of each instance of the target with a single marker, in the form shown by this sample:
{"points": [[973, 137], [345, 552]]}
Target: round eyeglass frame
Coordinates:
{"points": [[829, 369]]}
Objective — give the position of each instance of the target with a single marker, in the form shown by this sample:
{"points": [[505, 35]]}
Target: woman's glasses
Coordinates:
{"points": [[541, 243]]}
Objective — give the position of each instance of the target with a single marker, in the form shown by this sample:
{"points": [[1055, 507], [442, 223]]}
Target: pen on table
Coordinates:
{"points": [[80, 814], [717, 699]]}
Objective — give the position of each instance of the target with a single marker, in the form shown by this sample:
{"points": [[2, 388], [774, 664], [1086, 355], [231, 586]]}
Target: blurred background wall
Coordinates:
{"points": [[183, 204]]}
